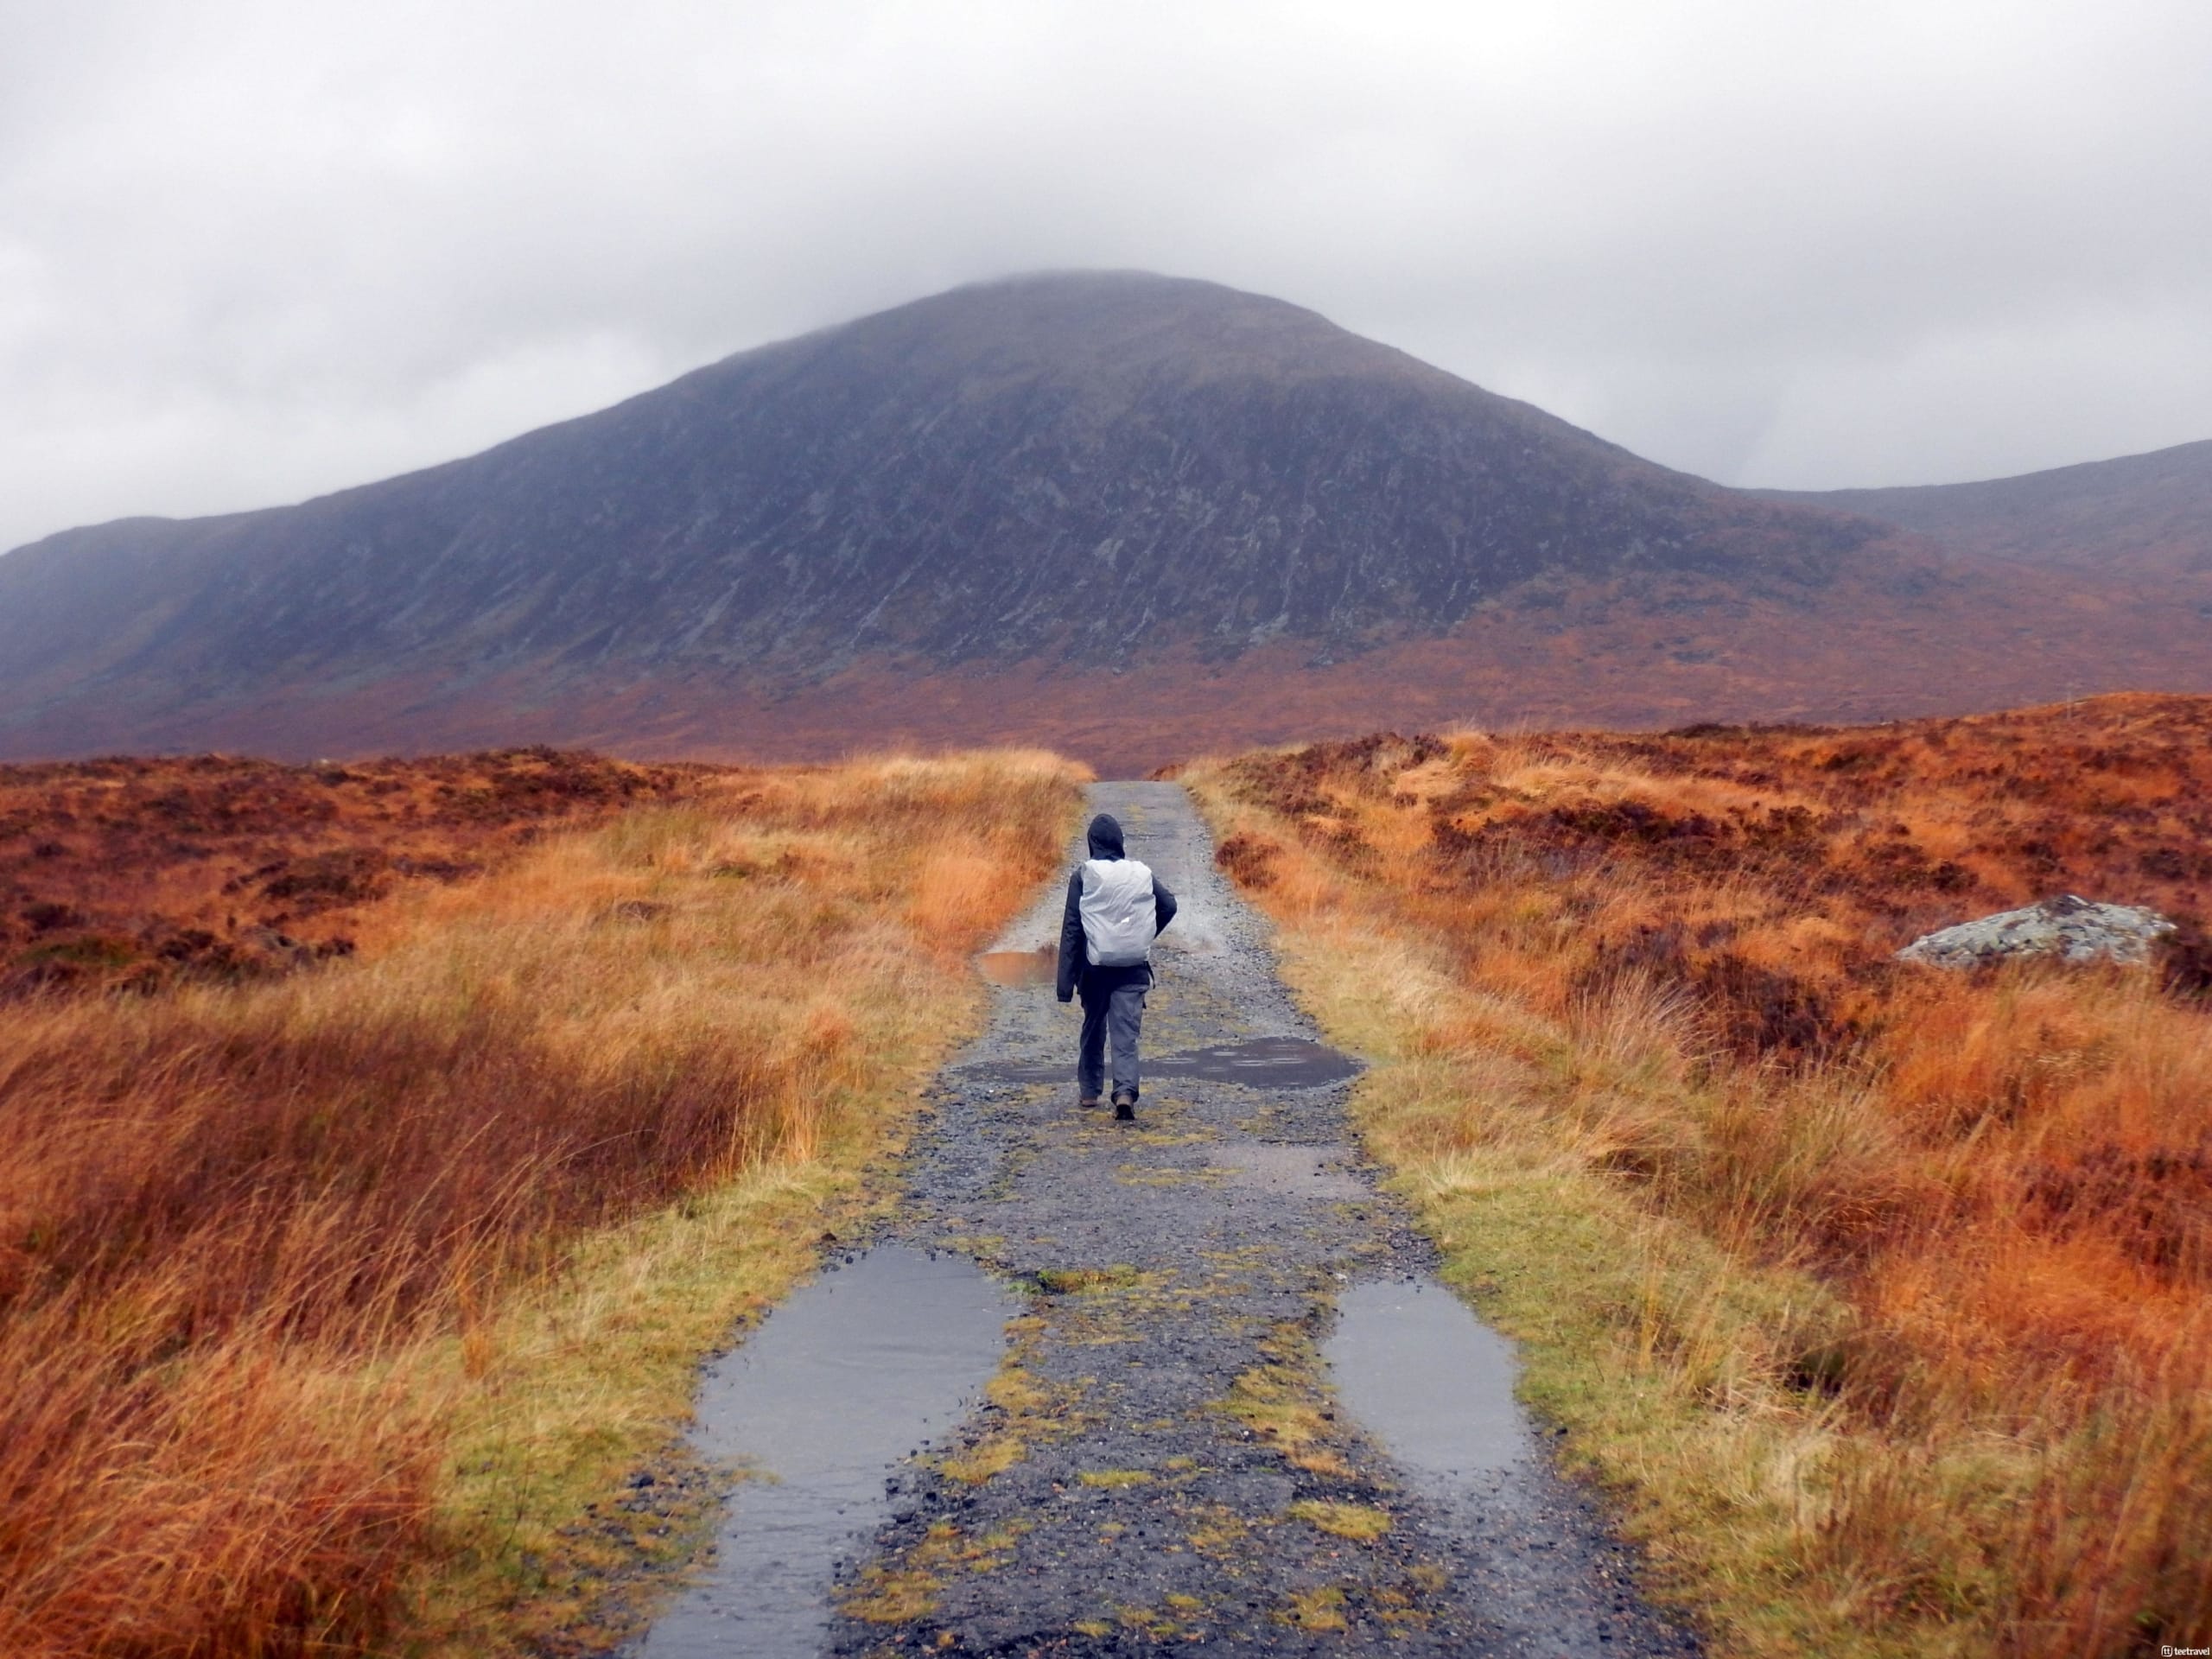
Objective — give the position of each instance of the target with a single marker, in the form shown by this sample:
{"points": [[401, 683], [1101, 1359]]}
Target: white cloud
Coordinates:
{"points": [[251, 250]]}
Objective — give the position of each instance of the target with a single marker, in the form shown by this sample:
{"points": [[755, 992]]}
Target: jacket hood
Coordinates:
{"points": [[1106, 836]]}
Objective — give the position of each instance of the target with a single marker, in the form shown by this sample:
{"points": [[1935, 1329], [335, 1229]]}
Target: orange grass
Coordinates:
{"points": [[131, 874], [2006, 1177], [234, 1218]]}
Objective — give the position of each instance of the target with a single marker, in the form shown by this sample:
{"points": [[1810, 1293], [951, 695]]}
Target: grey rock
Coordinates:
{"points": [[2070, 928]]}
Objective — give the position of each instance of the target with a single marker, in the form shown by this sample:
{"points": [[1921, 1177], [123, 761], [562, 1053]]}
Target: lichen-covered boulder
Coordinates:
{"points": [[2070, 928]]}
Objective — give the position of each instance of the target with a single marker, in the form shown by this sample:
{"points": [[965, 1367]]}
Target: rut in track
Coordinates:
{"points": [[1159, 1460]]}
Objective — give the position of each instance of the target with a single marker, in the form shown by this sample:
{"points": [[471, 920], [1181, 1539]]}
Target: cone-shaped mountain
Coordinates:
{"points": [[884, 530], [1083, 464]]}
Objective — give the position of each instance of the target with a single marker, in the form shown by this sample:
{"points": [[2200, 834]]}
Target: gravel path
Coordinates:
{"points": [[1161, 1461]]}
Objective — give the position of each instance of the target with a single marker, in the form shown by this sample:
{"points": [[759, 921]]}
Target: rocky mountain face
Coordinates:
{"points": [[971, 518]]}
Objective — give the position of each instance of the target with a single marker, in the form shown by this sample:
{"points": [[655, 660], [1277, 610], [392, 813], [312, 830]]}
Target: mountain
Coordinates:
{"points": [[2148, 513], [1124, 513]]}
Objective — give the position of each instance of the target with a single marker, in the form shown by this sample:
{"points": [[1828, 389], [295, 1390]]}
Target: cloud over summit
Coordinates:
{"points": [[251, 251]]}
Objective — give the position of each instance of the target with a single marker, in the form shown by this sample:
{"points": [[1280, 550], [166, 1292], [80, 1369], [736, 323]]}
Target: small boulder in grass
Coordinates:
{"points": [[2069, 928]]}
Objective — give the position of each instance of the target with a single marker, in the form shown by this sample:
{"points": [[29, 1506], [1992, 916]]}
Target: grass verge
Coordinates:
{"points": [[1879, 1297], [330, 1306], [1654, 1351]]}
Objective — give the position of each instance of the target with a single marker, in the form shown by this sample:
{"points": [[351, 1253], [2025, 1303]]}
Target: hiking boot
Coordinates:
{"points": [[1089, 1103], [1125, 1104]]}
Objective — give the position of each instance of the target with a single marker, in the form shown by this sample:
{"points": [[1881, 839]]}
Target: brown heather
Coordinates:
{"points": [[131, 874], [1973, 1411], [243, 1210]]}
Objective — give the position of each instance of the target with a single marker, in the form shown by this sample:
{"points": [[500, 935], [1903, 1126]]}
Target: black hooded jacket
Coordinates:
{"points": [[1074, 961]]}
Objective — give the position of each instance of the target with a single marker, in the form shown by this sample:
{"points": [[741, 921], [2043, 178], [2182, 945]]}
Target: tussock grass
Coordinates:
{"points": [[1882, 1294], [306, 1284], [1361, 1522]]}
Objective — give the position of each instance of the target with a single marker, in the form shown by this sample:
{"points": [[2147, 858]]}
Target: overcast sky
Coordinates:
{"points": [[251, 250]]}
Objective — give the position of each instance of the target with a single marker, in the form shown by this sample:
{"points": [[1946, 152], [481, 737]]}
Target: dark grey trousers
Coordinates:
{"points": [[1112, 1005]]}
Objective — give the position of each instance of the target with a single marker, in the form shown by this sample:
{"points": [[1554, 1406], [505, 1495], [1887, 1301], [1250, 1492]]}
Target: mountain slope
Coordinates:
{"points": [[975, 516], [2140, 513], [1085, 463]]}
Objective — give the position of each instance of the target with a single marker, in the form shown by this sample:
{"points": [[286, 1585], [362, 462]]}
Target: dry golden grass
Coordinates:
{"points": [[1889, 1291], [264, 1245]]}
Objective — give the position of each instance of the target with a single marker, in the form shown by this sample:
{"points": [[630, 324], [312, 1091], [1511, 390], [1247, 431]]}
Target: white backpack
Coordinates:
{"points": [[1119, 915]]}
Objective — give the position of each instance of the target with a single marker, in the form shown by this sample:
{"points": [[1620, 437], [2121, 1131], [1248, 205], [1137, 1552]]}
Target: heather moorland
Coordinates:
{"points": [[339, 1280], [1883, 1293]]}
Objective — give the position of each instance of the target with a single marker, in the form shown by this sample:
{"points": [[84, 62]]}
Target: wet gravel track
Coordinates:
{"points": [[1146, 1471]]}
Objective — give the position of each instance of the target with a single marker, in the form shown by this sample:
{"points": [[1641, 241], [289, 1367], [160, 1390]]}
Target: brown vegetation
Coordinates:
{"points": [[1666, 969], [237, 1218], [133, 873], [1645, 649]]}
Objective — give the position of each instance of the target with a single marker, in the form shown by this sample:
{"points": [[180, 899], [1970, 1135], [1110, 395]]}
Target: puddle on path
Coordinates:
{"points": [[1262, 1062], [1428, 1380], [1294, 1172], [851, 1374]]}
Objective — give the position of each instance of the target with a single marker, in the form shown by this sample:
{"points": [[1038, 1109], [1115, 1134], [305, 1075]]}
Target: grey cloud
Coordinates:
{"points": [[250, 250]]}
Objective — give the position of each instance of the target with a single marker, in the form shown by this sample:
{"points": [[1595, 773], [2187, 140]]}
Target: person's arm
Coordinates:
{"points": [[1071, 951], [1163, 905]]}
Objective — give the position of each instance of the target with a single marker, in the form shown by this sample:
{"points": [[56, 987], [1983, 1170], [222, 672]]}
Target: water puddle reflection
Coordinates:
{"points": [[1428, 1380], [853, 1373], [1262, 1062]]}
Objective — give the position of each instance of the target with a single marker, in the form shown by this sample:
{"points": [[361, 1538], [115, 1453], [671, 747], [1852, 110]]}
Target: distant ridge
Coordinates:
{"points": [[1038, 509], [2146, 513]]}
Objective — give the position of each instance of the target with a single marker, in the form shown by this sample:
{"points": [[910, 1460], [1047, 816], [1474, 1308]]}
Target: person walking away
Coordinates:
{"points": [[1116, 907]]}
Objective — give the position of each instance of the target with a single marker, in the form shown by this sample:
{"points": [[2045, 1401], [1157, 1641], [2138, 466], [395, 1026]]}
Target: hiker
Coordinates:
{"points": [[1116, 907]]}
